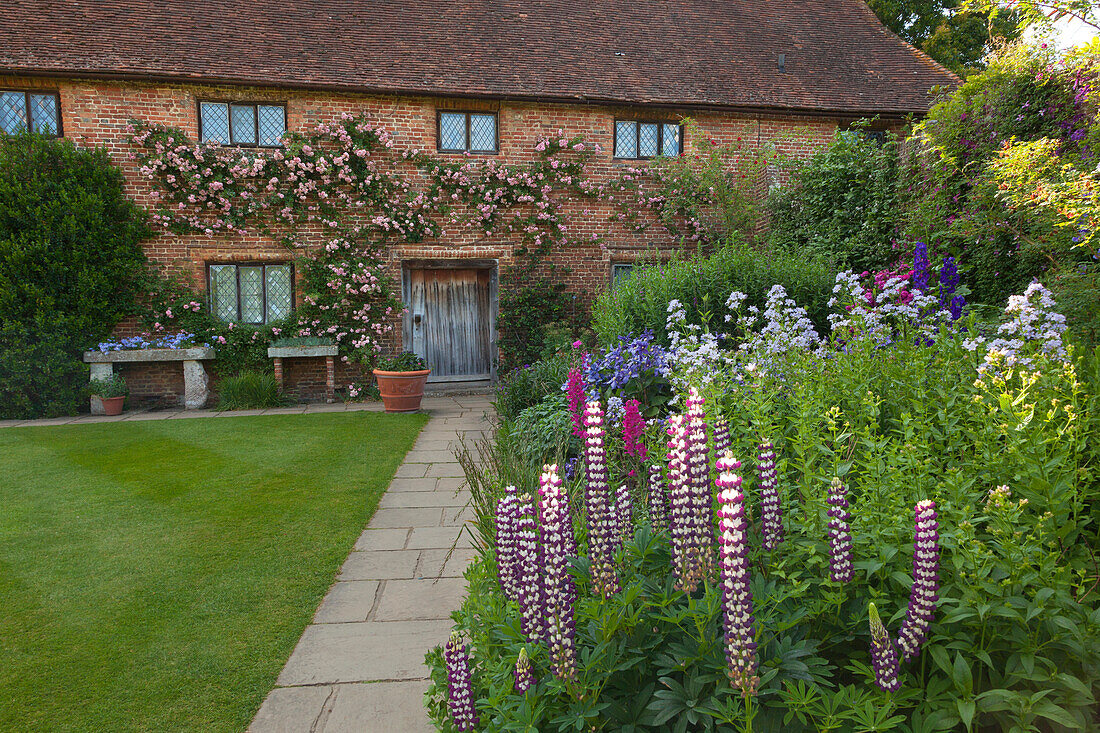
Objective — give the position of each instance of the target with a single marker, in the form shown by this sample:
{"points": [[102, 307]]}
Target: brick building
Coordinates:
{"points": [[483, 78]]}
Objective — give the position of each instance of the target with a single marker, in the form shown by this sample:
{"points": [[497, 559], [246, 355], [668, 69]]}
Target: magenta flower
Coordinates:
{"points": [[926, 580], [524, 674], [771, 513], [737, 607], [528, 577], [601, 521], [658, 499], [507, 543], [574, 391], [460, 691], [558, 590], [633, 429], [884, 654], [840, 533]]}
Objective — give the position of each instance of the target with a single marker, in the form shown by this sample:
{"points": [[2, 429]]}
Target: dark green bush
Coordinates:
{"points": [[1076, 289], [528, 385], [544, 431], [71, 267], [703, 284], [250, 391]]}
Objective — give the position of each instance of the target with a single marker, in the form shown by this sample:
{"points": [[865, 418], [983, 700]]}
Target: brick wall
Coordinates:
{"points": [[153, 384]]}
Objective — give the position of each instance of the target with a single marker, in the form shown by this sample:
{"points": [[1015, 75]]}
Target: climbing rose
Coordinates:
{"points": [[884, 654], [597, 495], [524, 675], [840, 533], [558, 591], [771, 514], [926, 580], [507, 538], [460, 691], [733, 563]]}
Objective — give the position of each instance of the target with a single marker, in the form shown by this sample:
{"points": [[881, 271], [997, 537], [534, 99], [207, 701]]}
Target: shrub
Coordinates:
{"points": [[1076, 288], [534, 313], [526, 386], [250, 391], [543, 431], [40, 376]]}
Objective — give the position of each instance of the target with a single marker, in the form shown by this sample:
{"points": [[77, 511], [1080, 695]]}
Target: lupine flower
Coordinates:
{"points": [[633, 428], [884, 654], [624, 515], [926, 580], [771, 514], [700, 517], [721, 437], [679, 495], [922, 268], [574, 391], [597, 495], [658, 499], [733, 563], [524, 674], [507, 538], [840, 533], [460, 691], [558, 591], [528, 580]]}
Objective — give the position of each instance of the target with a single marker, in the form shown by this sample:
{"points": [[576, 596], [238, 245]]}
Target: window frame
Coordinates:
{"points": [[455, 151], [237, 275], [619, 267], [199, 102], [27, 109], [637, 137]]}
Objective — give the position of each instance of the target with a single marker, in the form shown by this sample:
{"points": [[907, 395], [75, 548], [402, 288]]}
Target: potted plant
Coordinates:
{"points": [[111, 392], [401, 381]]}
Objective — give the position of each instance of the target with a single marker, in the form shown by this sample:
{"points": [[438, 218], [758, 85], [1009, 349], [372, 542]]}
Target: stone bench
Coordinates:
{"points": [[196, 383], [328, 352]]}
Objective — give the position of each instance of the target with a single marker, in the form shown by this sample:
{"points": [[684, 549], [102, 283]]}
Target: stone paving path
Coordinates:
{"points": [[359, 667]]}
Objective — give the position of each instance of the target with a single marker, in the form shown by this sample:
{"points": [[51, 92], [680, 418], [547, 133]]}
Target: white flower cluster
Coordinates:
{"points": [[1033, 328], [893, 306], [695, 350], [786, 326]]}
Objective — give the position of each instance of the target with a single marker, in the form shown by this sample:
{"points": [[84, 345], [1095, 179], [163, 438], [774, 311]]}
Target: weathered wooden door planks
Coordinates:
{"points": [[450, 320]]}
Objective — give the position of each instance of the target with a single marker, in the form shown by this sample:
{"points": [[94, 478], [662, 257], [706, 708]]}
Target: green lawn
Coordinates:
{"points": [[155, 576]]}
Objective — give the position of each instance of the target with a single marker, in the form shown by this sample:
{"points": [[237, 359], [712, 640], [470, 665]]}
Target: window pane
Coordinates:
{"points": [[626, 139], [252, 294], [620, 273], [670, 140], [647, 140], [13, 112], [483, 133], [272, 124], [214, 120], [44, 114], [278, 292], [452, 131], [243, 118], [223, 292]]}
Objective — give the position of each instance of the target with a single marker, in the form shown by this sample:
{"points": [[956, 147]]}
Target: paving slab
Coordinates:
{"points": [[413, 484], [428, 598], [435, 538], [445, 563], [448, 469], [382, 539], [457, 516], [291, 710], [420, 517], [347, 602], [437, 498], [385, 707], [416, 455], [411, 470], [380, 565]]}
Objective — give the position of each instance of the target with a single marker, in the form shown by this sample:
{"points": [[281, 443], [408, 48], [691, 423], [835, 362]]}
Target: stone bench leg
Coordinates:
{"points": [[196, 385], [100, 371], [330, 379]]}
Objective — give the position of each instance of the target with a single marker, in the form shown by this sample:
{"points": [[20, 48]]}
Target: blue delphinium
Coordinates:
{"points": [[628, 360], [922, 268]]}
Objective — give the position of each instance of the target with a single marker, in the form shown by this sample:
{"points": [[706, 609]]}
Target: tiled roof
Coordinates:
{"points": [[701, 53]]}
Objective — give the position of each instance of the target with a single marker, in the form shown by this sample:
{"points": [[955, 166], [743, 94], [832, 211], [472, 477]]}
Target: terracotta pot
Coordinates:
{"points": [[112, 405], [402, 391]]}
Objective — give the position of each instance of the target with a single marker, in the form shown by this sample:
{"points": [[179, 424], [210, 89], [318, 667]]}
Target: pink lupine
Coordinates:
{"points": [[884, 654], [460, 691], [558, 591], [658, 499], [529, 563], [771, 513], [523, 673], [633, 429], [507, 542], [597, 495], [840, 533], [574, 391], [737, 606], [923, 597]]}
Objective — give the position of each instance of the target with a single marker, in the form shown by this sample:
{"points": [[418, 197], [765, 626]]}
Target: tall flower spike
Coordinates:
{"points": [[721, 437], [700, 517], [460, 691], [884, 654], [734, 566], [658, 499], [558, 590], [574, 391], [771, 514], [529, 571], [624, 514], [840, 533], [507, 514], [524, 674], [633, 429], [926, 580], [597, 495], [679, 496]]}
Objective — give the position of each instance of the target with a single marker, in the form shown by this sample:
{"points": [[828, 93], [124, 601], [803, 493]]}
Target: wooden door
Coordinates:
{"points": [[450, 320]]}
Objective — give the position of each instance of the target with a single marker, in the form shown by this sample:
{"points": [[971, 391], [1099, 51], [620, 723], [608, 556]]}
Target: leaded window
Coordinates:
{"points": [[468, 132], [636, 139], [253, 293], [242, 123], [42, 109]]}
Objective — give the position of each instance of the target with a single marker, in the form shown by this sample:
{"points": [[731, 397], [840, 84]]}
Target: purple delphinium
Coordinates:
{"points": [[956, 307], [658, 499], [628, 360], [624, 516], [840, 533], [721, 437], [949, 280], [524, 674], [926, 580], [507, 516], [558, 591], [733, 563], [528, 575], [700, 516], [460, 691], [679, 496], [771, 513], [922, 268], [597, 499], [884, 654]]}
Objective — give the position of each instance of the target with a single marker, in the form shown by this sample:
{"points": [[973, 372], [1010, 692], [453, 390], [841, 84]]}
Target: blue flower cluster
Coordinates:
{"points": [[182, 340], [628, 360]]}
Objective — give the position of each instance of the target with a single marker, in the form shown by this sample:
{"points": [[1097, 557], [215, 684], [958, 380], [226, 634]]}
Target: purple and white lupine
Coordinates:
{"points": [[624, 514], [926, 580], [528, 571], [771, 513], [884, 654], [524, 674], [721, 437], [658, 499], [602, 535], [699, 543], [733, 562], [558, 591], [679, 495], [460, 690], [507, 548], [840, 533]]}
